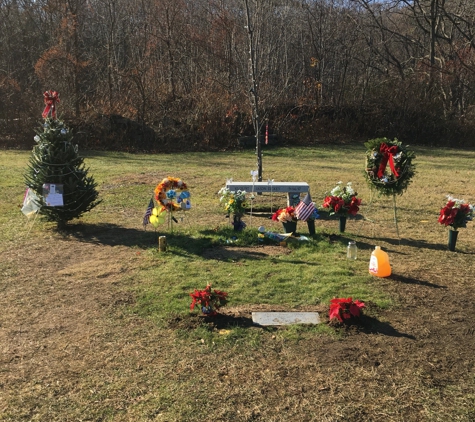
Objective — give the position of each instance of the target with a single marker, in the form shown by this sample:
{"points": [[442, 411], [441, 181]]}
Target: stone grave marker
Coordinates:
{"points": [[285, 318]]}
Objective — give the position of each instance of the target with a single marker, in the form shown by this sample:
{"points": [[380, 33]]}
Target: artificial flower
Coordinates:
{"points": [[209, 300], [345, 309], [165, 193], [233, 202], [342, 200], [285, 215], [456, 213]]}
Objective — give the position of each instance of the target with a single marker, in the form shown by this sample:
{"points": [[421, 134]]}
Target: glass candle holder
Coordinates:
{"points": [[351, 251]]}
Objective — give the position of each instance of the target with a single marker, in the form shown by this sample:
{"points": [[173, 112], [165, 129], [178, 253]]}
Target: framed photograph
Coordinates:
{"points": [[53, 194]]}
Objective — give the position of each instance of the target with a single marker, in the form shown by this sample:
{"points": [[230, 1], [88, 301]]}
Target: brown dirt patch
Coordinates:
{"points": [[66, 333]]}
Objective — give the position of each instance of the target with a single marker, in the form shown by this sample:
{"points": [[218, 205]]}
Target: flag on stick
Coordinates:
{"points": [[305, 208], [148, 213]]}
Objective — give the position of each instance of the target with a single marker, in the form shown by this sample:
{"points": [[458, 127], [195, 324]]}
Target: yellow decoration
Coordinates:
{"points": [[153, 220], [157, 217]]}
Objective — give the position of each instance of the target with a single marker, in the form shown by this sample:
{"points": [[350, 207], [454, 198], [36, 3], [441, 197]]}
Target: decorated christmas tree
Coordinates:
{"points": [[56, 173]]}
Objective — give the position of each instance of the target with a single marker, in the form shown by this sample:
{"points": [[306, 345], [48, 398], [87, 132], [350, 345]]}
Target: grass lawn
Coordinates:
{"points": [[96, 325]]}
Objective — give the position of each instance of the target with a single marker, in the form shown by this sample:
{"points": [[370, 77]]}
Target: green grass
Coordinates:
{"points": [[312, 274], [315, 271], [150, 359]]}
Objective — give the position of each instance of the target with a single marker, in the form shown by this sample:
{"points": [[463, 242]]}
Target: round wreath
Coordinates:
{"points": [[166, 194], [389, 166]]}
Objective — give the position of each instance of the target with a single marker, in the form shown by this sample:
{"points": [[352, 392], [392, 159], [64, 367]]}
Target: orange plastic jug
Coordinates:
{"points": [[379, 263]]}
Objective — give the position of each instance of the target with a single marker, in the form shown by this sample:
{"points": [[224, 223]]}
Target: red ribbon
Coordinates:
{"points": [[267, 134], [388, 154], [51, 98]]}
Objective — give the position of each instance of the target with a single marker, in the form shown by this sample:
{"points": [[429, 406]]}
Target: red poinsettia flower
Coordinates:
{"points": [[456, 213], [345, 309], [343, 201], [338, 204], [354, 206], [447, 215], [209, 300], [328, 202]]}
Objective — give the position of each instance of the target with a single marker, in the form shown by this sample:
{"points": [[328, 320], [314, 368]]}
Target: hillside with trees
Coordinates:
{"points": [[163, 75]]}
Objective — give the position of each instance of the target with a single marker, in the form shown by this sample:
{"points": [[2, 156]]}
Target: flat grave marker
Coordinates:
{"points": [[285, 318]]}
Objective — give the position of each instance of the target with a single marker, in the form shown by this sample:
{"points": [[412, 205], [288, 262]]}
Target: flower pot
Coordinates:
{"points": [[238, 223], [208, 311], [290, 226], [342, 224], [452, 239], [311, 226]]}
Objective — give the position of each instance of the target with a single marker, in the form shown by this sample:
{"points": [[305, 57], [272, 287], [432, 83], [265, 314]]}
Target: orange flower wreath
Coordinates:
{"points": [[165, 193]]}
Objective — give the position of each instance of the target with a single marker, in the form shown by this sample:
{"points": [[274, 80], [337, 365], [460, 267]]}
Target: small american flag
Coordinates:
{"points": [[148, 213], [305, 208]]}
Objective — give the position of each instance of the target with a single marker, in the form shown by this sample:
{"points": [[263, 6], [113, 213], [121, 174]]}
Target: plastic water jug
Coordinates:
{"points": [[379, 263]]}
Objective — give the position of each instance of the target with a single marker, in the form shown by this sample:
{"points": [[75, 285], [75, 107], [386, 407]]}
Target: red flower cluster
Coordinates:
{"points": [[344, 309], [455, 214], [284, 214], [209, 300], [339, 206]]}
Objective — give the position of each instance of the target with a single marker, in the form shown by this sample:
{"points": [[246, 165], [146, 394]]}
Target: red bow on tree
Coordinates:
{"points": [[51, 98], [388, 153]]}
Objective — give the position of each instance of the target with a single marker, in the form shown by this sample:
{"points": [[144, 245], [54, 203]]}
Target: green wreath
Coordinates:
{"points": [[389, 166]]}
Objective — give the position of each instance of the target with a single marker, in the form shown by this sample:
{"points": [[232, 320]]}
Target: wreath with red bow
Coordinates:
{"points": [[389, 166]]}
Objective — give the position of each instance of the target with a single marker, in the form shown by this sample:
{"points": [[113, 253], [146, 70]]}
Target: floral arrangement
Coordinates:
{"points": [[167, 196], [456, 213], [345, 309], [389, 166], [285, 215], [209, 300], [233, 202], [342, 200]]}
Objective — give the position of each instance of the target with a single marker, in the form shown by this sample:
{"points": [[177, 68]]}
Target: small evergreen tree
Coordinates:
{"points": [[55, 160]]}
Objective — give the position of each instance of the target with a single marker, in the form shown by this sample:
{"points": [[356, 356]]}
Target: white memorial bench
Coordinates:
{"points": [[293, 189]]}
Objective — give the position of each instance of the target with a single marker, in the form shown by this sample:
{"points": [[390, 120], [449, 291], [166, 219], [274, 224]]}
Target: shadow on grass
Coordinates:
{"points": [[208, 244], [367, 324], [219, 322], [420, 244], [403, 242], [222, 322], [371, 325], [111, 235], [410, 280]]}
